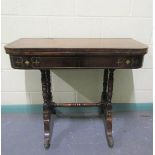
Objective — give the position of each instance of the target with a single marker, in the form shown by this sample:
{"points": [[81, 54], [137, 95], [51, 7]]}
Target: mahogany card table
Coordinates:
{"points": [[45, 54]]}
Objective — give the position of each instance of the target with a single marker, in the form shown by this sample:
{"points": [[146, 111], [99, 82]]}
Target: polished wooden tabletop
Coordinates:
{"points": [[78, 45]]}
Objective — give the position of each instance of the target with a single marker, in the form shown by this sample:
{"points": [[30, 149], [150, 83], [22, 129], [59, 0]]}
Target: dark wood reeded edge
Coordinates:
{"points": [[45, 54], [105, 104]]}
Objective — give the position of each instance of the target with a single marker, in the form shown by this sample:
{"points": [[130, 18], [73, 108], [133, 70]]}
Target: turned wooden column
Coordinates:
{"points": [[105, 84], [104, 92]]}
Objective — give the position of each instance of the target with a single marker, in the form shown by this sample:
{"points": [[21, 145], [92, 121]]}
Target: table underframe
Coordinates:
{"points": [[105, 104]]}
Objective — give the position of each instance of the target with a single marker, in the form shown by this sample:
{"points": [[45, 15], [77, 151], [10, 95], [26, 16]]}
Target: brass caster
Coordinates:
{"points": [[47, 146], [110, 141]]}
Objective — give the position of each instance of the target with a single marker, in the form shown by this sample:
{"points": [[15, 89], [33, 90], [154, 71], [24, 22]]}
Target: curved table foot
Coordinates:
{"points": [[47, 135], [108, 125]]}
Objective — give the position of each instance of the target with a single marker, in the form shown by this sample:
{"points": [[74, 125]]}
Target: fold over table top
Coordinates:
{"points": [[57, 47]]}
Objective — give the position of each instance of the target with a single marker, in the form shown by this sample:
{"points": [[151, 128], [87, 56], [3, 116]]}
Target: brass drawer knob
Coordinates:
{"points": [[27, 62], [128, 62]]}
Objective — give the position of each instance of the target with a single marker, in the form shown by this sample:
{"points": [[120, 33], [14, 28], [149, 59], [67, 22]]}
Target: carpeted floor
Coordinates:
{"points": [[22, 134]]}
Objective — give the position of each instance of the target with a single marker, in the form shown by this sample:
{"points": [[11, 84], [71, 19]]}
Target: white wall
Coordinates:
{"points": [[76, 18]]}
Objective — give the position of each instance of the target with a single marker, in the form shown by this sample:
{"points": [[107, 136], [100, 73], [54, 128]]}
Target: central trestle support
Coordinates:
{"points": [[105, 104]]}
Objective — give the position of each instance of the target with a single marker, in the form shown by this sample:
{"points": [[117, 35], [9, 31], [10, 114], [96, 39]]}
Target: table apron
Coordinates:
{"points": [[38, 62]]}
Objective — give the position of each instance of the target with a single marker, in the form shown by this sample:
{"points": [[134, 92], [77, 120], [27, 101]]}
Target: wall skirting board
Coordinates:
{"points": [[37, 108]]}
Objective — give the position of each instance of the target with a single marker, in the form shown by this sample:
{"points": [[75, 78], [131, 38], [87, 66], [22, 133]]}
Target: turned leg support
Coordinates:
{"points": [[104, 93], [106, 99], [47, 97]]}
